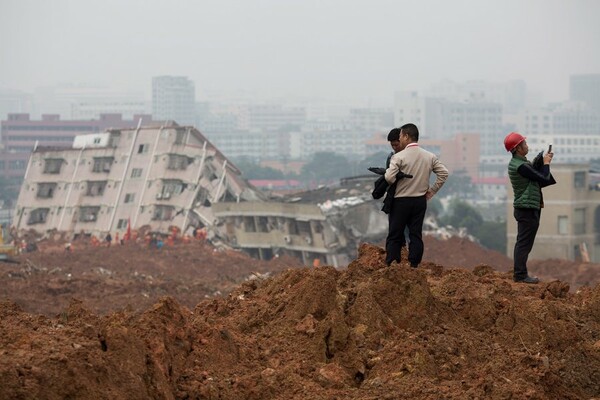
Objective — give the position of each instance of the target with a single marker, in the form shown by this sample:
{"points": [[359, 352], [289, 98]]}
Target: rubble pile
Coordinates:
{"points": [[364, 332]]}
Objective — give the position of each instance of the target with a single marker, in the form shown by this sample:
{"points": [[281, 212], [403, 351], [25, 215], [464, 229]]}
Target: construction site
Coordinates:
{"points": [[141, 265], [195, 321]]}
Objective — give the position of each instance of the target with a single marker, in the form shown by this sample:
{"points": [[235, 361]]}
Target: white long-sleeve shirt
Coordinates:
{"points": [[420, 164]]}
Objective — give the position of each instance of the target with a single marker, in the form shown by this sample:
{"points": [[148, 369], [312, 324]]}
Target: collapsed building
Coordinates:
{"points": [[325, 225], [171, 176], [161, 177]]}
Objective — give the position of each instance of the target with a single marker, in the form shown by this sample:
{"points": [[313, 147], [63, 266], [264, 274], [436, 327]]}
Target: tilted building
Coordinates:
{"points": [[160, 176], [172, 176], [326, 224]]}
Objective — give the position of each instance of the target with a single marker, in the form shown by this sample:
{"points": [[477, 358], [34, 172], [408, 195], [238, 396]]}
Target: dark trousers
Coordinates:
{"points": [[406, 212], [528, 221]]}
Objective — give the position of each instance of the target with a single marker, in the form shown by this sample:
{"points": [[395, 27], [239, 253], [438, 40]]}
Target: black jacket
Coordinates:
{"points": [[382, 187]]}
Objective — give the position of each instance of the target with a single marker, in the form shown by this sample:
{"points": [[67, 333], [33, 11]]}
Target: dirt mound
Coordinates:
{"points": [[366, 332], [462, 253], [133, 276]]}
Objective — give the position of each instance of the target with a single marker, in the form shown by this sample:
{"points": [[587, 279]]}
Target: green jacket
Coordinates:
{"points": [[527, 192]]}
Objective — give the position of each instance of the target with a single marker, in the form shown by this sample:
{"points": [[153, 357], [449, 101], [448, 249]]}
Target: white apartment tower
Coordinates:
{"points": [[160, 177], [174, 99]]}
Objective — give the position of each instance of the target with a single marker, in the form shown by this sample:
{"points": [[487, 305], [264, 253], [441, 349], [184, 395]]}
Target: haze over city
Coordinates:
{"points": [[352, 51]]}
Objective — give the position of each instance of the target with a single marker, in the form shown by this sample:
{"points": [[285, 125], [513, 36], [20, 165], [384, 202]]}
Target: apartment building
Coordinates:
{"points": [[570, 217], [156, 176], [20, 134], [439, 118], [173, 98], [586, 88], [326, 224]]}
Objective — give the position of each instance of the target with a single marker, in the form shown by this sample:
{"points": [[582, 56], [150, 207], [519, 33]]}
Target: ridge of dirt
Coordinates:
{"points": [[132, 276], [366, 332]]}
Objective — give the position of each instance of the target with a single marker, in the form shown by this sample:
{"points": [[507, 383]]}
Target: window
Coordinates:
{"points": [[129, 197], [52, 165], [178, 161], [579, 179], [143, 148], [563, 225], [179, 136], [122, 224], [262, 224], [17, 164], [95, 188], [38, 216], [170, 188], [249, 224], [88, 214], [579, 221], [163, 213], [102, 164], [46, 190], [136, 172]]}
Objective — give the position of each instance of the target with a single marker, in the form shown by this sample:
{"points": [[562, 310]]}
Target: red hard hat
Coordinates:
{"points": [[512, 140]]}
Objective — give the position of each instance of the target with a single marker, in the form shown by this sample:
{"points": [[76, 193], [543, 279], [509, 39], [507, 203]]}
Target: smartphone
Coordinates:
{"points": [[550, 148]]}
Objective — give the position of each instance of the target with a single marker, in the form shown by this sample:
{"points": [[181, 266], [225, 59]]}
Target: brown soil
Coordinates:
{"points": [[365, 332]]}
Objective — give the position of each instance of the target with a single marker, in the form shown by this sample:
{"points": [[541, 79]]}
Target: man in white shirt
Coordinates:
{"points": [[410, 200]]}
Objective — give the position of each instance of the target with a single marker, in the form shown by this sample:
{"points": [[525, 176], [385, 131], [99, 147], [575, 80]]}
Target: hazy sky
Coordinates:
{"points": [[339, 49]]}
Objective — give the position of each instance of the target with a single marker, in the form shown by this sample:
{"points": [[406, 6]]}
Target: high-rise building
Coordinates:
{"points": [[21, 134], [174, 99], [441, 119], [586, 88]]}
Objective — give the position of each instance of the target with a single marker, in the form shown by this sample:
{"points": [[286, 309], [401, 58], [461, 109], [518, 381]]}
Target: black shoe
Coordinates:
{"points": [[528, 279], [414, 265]]}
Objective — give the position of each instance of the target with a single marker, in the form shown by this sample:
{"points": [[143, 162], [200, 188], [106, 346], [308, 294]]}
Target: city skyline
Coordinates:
{"points": [[353, 52]]}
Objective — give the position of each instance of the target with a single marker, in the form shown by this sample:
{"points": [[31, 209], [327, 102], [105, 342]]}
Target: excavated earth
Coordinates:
{"points": [[190, 322]]}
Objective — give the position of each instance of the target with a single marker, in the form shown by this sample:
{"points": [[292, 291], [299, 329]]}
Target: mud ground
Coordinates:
{"points": [[191, 322]]}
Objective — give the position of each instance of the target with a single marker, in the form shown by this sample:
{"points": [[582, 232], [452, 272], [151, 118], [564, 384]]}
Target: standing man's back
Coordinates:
{"points": [[410, 200]]}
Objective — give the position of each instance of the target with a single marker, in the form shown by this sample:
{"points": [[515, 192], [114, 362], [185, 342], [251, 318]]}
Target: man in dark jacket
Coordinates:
{"points": [[527, 183]]}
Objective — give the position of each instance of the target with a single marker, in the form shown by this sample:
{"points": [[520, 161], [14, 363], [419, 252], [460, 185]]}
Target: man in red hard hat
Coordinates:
{"points": [[527, 183]]}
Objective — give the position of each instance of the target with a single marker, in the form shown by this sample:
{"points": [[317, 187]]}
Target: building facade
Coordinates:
{"points": [[439, 118], [586, 88], [570, 218], [161, 177], [21, 134], [173, 99]]}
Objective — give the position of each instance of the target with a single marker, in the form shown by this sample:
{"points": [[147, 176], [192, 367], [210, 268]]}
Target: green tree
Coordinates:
{"points": [[492, 235], [459, 183], [325, 166], [463, 215], [435, 207], [374, 160]]}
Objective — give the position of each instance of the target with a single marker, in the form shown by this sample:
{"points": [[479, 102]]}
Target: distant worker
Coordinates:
{"points": [[527, 183], [94, 241], [108, 239], [153, 241], [316, 263], [410, 200], [201, 234]]}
